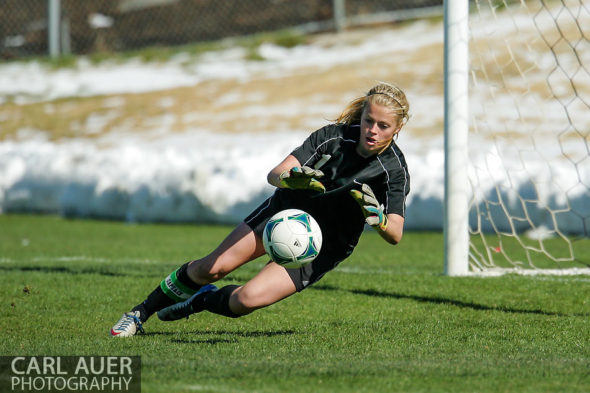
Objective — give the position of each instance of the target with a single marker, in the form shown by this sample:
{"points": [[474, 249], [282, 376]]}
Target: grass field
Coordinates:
{"points": [[386, 320]]}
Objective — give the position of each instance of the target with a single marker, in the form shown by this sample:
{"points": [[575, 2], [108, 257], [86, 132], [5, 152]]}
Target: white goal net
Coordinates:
{"points": [[529, 105]]}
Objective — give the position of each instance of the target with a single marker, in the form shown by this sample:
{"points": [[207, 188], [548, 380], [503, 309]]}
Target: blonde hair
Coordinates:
{"points": [[384, 94]]}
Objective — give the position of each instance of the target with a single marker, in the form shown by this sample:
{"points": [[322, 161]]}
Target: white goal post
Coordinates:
{"points": [[517, 137], [456, 65]]}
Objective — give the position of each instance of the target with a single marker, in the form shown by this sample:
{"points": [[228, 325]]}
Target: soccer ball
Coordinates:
{"points": [[292, 238]]}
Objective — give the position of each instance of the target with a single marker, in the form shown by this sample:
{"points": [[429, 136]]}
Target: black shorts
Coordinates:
{"points": [[330, 255]]}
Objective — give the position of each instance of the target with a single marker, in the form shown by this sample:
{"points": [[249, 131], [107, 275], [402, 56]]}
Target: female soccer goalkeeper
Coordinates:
{"points": [[345, 175]]}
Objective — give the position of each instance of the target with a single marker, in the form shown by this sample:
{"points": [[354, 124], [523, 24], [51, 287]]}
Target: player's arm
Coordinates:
{"points": [[290, 174], [389, 226], [274, 176], [395, 229]]}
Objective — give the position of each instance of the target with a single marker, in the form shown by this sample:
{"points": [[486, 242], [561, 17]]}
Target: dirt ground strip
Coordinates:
{"points": [[302, 100]]}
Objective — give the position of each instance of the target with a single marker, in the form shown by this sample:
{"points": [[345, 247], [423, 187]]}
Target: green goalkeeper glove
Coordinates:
{"points": [[302, 178], [372, 210]]}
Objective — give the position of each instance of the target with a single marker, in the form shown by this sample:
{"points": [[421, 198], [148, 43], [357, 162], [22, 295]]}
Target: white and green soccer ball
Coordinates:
{"points": [[292, 238]]}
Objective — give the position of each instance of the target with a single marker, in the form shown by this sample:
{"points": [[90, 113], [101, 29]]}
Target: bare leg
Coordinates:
{"points": [[270, 285], [241, 246]]}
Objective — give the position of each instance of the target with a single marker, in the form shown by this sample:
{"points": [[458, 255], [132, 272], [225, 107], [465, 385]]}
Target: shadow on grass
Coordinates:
{"points": [[61, 269], [68, 270], [442, 300], [210, 341], [227, 337], [103, 272]]}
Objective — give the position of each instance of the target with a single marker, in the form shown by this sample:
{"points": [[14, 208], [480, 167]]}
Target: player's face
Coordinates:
{"points": [[378, 127]]}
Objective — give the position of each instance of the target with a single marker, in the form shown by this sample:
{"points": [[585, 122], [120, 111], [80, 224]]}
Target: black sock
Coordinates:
{"points": [[218, 302], [158, 300], [155, 301]]}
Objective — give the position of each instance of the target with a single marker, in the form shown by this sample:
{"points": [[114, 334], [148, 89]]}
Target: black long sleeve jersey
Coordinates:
{"points": [[337, 213]]}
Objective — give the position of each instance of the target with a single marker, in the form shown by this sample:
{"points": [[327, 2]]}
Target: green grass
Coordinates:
{"points": [[386, 320]]}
